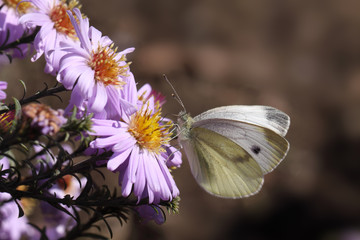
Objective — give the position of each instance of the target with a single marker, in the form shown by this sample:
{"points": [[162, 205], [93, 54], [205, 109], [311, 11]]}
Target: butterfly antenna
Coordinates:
{"points": [[175, 94]]}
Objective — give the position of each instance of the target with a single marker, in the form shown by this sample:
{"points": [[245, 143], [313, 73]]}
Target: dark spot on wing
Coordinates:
{"points": [[255, 149]]}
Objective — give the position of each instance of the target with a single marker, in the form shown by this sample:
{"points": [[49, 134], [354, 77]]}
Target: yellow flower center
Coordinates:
{"points": [[21, 8], [6, 121], [145, 127], [61, 19], [107, 68]]}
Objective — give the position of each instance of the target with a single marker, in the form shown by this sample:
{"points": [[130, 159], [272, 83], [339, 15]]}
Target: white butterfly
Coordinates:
{"points": [[231, 148]]}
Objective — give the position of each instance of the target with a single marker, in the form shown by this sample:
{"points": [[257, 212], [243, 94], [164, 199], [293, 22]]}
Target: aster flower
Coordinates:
{"points": [[55, 26], [11, 226], [59, 222], [9, 213], [10, 28], [47, 120], [96, 73], [140, 143]]}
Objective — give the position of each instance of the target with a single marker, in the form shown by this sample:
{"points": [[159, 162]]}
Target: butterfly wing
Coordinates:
{"points": [[266, 146], [264, 116], [220, 166]]}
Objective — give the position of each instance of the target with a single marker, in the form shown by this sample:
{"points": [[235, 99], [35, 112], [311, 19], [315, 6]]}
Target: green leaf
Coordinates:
{"points": [[17, 115], [24, 86]]}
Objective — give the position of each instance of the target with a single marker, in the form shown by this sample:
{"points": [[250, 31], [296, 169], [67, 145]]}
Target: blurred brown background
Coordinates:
{"points": [[302, 57]]}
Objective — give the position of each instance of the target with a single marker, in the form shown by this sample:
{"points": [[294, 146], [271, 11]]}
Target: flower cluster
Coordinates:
{"points": [[12, 29], [108, 121]]}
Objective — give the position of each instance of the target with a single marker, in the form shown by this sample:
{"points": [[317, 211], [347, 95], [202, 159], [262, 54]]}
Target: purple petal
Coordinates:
{"points": [[126, 51], [140, 178], [125, 143], [133, 163], [3, 85], [98, 102], [106, 131], [95, 35], [106, 142], [42, 4], [126, 183], [150, 172], [86, 81], [117, 159], [34, 18], [105, 122], [84, 39]]}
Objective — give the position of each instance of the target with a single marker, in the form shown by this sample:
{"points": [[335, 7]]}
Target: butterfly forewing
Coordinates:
{"points": [[220, 166], [264, 145], [265, 116]]}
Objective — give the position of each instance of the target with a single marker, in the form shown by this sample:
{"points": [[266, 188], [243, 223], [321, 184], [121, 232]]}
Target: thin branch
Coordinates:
{"points": [[44, 93]]}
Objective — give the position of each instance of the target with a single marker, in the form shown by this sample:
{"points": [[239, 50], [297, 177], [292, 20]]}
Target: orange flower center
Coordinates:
{"points": [[107, 68], [61, 19], [145, 127], [65, 183]]}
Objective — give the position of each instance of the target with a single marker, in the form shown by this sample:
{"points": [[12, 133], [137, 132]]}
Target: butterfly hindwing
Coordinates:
{"points": [[220, 166]]}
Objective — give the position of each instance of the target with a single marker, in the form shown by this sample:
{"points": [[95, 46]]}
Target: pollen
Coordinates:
{"points": [[108, 67], [147, 128], [61, 19], [21, 8]]}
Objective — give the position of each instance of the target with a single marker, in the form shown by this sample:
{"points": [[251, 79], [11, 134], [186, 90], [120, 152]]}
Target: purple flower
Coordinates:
{"points": [[140, 143], [151, 212], [10, 28], [11, 226], [58, 222], [56, 27], [9, 213], [95, 72], [3, 85], [44, 118]]}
